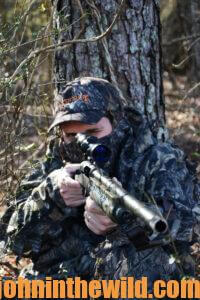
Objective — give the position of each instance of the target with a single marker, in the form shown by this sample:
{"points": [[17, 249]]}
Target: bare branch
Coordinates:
{"points": [[26, 13], [34, 53], [179, 65], [192, 90], [41, 37], [182, 39]]}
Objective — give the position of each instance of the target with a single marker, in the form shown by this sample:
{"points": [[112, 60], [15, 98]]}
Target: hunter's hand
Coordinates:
{"points": [[70, 189], [95, 218]]}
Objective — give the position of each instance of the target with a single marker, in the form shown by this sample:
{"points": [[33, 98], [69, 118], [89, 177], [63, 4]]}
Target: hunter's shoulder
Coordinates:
{"points": [[167, 160], [165, 153]]}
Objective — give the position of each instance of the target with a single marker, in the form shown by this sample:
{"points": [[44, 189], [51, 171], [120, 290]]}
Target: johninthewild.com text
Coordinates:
{"points": [[77, 288]]}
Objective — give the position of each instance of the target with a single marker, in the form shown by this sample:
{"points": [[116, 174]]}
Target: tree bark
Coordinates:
{"points": [[129, 57]]}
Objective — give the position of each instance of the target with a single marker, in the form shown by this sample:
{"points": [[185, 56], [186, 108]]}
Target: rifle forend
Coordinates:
{"points": [[115, 201]]}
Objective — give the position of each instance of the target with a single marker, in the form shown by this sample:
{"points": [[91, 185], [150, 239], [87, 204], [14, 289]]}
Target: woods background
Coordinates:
{"points": [[32, 66]]}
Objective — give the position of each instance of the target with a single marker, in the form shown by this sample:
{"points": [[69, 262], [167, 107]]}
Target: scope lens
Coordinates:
{"points": [[101, 154]]}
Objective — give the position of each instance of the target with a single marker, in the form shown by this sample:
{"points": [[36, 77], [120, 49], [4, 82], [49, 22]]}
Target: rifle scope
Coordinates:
{"points": [[99, 153]]}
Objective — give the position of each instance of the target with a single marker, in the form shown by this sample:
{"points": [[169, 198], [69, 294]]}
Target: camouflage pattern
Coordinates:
{"points": [[55, 237], [87, 99]]}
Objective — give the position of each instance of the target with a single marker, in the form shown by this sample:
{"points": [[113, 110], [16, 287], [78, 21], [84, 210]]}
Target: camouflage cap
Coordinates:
{"points": [[87, 100]]}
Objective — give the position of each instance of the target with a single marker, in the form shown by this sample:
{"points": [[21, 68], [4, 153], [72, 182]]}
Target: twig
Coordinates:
{"points": [[193, 44], [26, 13], [82, 25], [179, 65], [182, 39], [39, 38], [173, 94], [33, 54], [37, 152], [20, 168], [191, 90], [36, 63], [11, 109]]}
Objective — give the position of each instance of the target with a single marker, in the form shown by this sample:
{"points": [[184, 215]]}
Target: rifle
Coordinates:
{"points": [[115, 201]]}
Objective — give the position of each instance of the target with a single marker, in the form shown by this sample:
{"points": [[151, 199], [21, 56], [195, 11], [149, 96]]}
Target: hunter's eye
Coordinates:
{"points": [[92, 131]]}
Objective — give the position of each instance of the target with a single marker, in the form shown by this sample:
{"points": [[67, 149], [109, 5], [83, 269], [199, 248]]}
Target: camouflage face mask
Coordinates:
{"points": [[114, 141], [72, 152]]}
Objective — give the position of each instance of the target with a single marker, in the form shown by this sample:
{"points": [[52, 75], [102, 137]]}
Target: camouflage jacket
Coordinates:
{"points": [[55, 237]]}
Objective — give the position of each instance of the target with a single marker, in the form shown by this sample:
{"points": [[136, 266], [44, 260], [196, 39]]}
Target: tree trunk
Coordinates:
{"points": [[129, 57]]}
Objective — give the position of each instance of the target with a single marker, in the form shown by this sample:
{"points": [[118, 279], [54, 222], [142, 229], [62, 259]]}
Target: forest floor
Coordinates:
{"points": [[183, 118], [183, 121]]}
